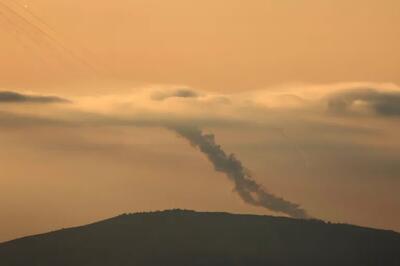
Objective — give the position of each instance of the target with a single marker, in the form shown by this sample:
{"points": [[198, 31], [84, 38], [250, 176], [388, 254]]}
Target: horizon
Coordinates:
{"points": [[188, 211]]}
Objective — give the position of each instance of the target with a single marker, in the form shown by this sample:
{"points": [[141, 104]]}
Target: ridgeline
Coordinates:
{"points": [[180, 237]]}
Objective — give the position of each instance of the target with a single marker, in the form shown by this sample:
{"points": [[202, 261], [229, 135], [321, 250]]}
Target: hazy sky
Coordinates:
{"points": [[218, 45], [305, 93]]}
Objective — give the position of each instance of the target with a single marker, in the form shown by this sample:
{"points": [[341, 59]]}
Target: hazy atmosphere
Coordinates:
{"points": [[121, 106]]}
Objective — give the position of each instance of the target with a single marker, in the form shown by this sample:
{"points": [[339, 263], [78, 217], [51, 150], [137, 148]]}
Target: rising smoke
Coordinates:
{"points": [[249, 190]]}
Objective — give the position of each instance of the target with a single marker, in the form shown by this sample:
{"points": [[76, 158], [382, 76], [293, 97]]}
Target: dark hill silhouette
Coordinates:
{"points": [[180, 237]]}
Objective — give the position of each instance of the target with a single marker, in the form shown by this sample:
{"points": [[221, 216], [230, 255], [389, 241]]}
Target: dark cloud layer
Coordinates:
{"points": [[12, 120], [381, 103], [16, 97], [179, 93]]}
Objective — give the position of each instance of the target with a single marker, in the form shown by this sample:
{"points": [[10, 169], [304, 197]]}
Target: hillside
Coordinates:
{"points": [[180, 237]]}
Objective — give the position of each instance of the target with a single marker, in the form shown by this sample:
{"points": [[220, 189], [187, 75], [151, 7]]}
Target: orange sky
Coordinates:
{"points": [[252, 66], [217, 45]]}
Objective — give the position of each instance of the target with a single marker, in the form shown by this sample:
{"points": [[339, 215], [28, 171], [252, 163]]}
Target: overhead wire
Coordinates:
{"points": [[34, 26]]}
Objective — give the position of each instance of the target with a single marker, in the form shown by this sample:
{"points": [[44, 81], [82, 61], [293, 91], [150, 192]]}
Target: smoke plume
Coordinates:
{"points": [[249, 190]]}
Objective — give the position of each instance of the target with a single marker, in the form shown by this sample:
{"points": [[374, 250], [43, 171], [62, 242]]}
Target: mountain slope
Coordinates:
{"points": [[191, 238]]}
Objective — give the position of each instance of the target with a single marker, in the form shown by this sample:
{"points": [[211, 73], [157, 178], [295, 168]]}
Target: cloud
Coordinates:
{"points": [[299, 108], [383, 103], [178, 93], [15, 120], [16, 97], [295, 106]]}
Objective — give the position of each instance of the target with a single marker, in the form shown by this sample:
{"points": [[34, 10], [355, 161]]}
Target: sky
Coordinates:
{"points": [[94, 94]]}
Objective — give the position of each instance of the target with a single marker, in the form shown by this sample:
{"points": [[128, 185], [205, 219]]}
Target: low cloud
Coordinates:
{"points": [[287, 107], [178, 93], [382, 103], [16, 97]]}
